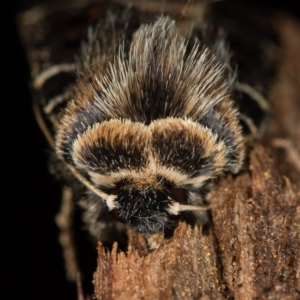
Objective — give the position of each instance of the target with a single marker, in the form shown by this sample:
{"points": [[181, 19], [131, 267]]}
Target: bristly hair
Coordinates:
{"points": [[156, 79], [159, 79], [159, 109]]}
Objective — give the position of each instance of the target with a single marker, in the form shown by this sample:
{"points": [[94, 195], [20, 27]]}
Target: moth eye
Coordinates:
{"points": [[117, 215], [113, 191], [179, 195]]}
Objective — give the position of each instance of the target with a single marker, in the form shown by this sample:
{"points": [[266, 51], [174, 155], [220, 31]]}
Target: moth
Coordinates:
{"points": [[141, 106]]}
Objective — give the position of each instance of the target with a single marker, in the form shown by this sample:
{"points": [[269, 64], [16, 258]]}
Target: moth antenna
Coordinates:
{"points": [[89, 185], [41, 122], [184, 207], [176, 208]]}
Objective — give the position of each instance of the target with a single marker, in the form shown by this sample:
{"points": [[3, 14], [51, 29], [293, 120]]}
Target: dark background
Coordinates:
{"points": [[31, 261]]}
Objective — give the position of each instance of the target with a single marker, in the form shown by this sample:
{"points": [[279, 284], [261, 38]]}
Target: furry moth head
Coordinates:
{"points": [[151, 126]]}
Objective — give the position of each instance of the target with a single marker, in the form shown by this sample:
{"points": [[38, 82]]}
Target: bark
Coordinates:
{"points": [[252, 248]]}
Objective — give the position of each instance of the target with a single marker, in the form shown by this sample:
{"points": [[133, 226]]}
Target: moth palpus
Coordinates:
{"points": [[143, 118]]}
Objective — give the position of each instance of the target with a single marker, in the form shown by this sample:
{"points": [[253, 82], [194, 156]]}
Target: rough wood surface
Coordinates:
{"points": [[252, 249]]}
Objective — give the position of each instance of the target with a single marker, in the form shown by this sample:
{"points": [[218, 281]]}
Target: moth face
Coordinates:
{"points": [[146, 209]]}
